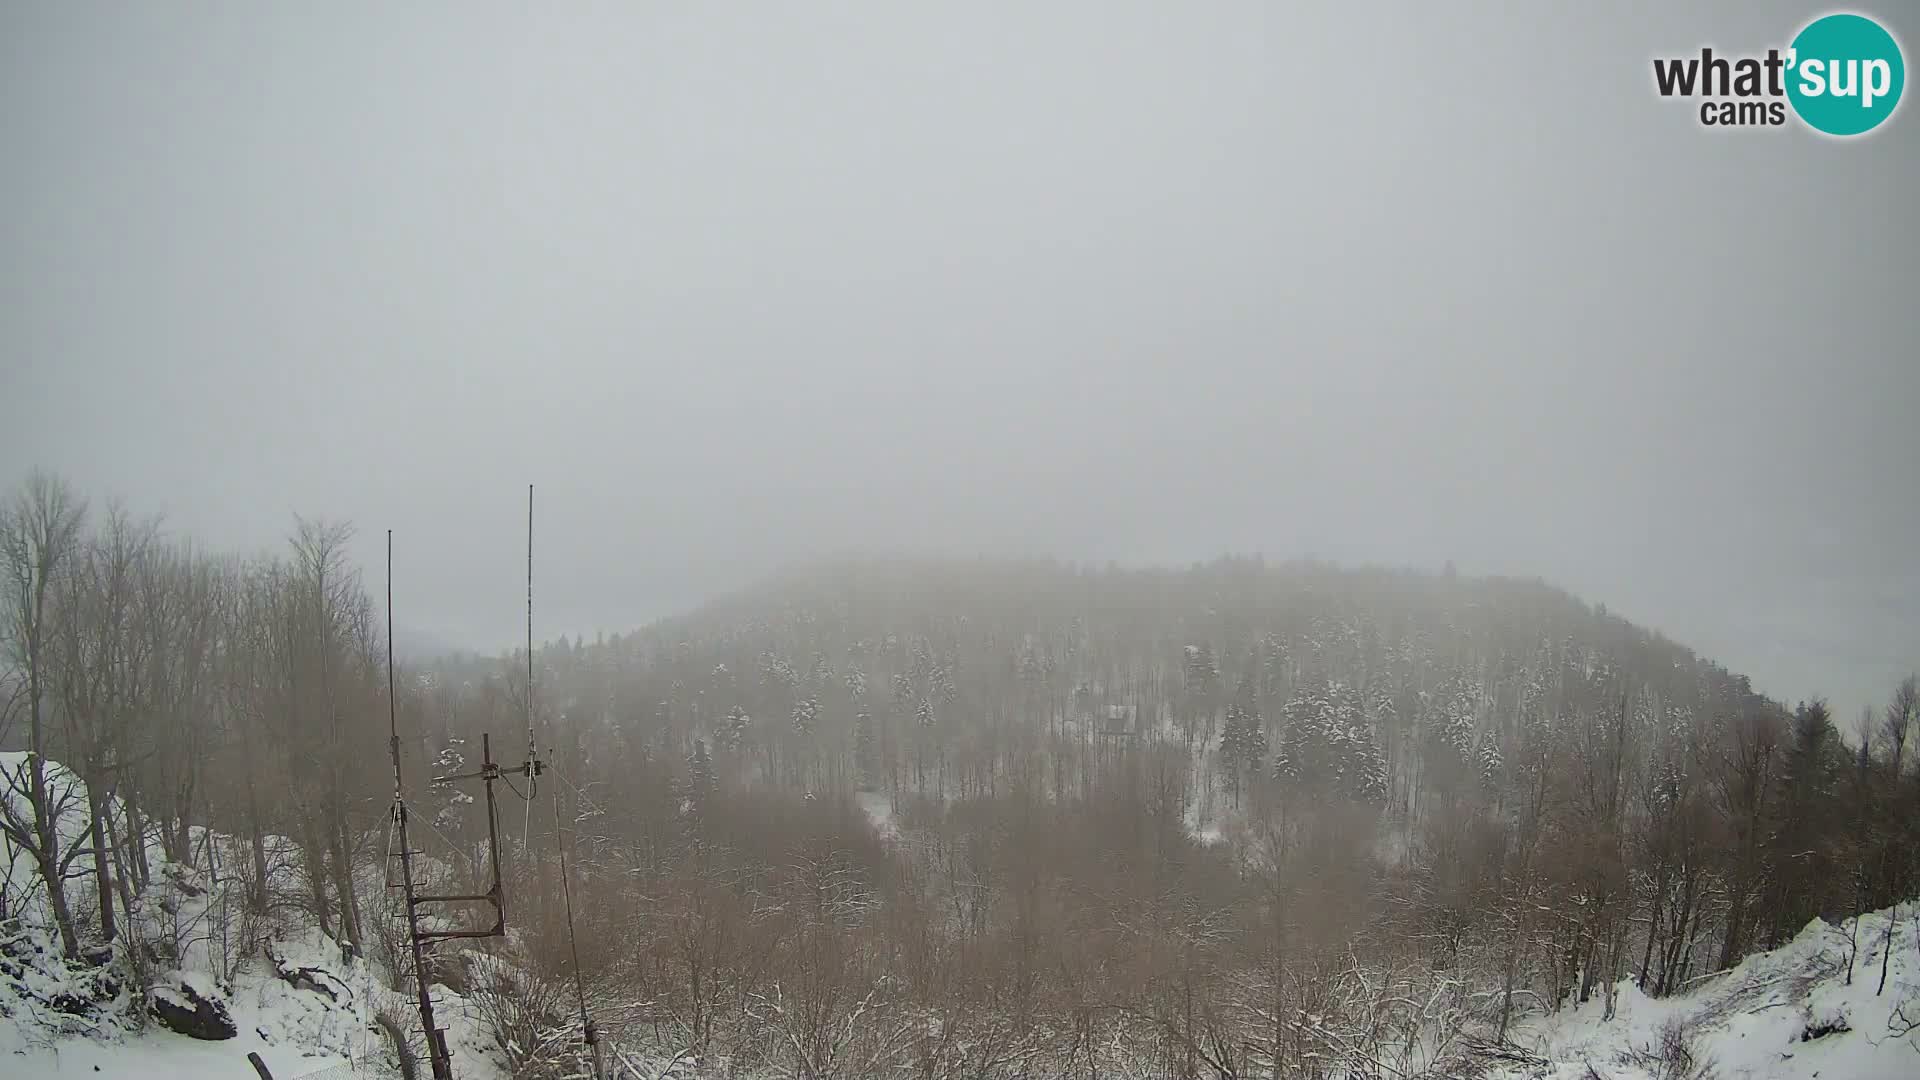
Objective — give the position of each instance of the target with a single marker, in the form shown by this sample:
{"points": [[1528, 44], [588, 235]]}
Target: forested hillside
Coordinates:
{"points": [[1213, 797], [973, 818]]}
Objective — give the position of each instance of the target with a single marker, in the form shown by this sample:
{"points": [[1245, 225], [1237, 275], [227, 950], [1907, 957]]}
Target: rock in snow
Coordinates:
{"points": [[183, 1009]]}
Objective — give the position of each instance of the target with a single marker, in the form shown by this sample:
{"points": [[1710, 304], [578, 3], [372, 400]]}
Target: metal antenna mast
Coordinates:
{"points": [[590, 1033], [530, 752], [533, 766], [436, 1039], [494, 896]]}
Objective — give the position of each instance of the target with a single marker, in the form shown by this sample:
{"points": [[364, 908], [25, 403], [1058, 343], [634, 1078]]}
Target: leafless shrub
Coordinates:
{"points": [[1900, 1024], [970, 1044], [1674, 1056], [825, 1031], [526, 1016], [1469, 1057]]}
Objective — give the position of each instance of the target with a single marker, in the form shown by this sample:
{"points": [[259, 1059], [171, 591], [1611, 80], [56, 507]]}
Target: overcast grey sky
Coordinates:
{"points": [[741, 284]]}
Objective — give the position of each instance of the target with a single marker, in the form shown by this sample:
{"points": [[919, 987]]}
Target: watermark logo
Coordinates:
{"points": [[1841, 75], [1849, 74]]}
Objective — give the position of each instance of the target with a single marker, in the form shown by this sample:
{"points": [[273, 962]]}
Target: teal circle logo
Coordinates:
{"points": [[1845, 74]]}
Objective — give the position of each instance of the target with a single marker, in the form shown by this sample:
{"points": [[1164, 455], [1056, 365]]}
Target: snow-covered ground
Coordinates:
{"points": [[322, 1030], [174, 1058], [878, 806], [294, 999], [1790, 1014]]}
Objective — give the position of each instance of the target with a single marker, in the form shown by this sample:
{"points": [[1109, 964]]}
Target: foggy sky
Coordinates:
{"points": [[1145, 282]]}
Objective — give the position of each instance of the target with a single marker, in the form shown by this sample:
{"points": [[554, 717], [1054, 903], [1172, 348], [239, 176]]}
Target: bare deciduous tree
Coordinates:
{"points": [[39, 538]]}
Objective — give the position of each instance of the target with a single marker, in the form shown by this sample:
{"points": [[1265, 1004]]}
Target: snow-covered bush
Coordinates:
{"points": [[527, 1017], [1675, 1055]]}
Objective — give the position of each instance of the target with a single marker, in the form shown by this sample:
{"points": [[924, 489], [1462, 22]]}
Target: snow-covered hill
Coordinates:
{"points": [[1790, 1014], [267, 984], [304, 1011]]}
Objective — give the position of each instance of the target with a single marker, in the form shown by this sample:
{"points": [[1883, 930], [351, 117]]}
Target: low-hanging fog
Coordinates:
{"points": [[739, 287]]}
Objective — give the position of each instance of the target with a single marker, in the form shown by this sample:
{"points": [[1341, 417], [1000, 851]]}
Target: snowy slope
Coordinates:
{"points": [[297, 1032], [1790, 1014], [291, 996], [319, 1021]]}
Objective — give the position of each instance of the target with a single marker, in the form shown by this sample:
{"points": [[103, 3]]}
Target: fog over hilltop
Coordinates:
{"points": [[740, 288]]}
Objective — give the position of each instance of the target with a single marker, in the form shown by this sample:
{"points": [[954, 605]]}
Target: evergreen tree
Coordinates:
{"points": [[1302, 755], [1363, 765], [1492, 764], [1243, 741], [1327, 747], [733, 728], [805, 712], [1800, 852]]}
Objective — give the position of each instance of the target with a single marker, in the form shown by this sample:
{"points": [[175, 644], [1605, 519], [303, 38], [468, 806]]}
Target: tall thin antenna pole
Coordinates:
{"points": [[589, 1033], [530, 751], [532, 767], [436, 1042], [393, 722]]}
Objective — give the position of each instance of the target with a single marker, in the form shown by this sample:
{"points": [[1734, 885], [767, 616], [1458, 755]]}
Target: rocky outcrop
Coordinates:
{"points": [[182, 1009]]}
